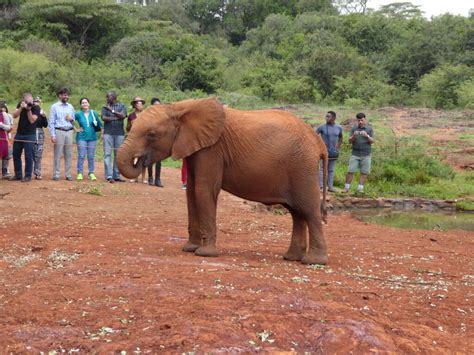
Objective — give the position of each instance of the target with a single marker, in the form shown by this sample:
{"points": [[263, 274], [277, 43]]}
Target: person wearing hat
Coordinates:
{"points": [[138, 104]]}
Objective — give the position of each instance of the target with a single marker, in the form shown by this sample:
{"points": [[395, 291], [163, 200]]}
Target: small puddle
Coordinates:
{"points": [[413, 219]]}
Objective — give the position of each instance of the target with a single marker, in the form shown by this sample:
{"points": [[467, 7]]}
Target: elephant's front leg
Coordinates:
{"points": [[206, 203], [207, 173], [194, 241]]}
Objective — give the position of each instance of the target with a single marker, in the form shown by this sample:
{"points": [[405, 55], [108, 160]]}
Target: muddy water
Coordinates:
{"points": [[417, 219]]}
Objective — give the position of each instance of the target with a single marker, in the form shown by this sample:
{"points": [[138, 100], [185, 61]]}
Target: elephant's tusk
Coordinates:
{"points": [[135, 161]]}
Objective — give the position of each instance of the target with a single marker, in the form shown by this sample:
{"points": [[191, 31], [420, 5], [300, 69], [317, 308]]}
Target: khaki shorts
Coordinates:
{"points": [[362, 163]]}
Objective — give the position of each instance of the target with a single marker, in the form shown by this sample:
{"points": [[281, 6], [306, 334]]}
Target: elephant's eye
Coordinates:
{"points": [[152, 135]]}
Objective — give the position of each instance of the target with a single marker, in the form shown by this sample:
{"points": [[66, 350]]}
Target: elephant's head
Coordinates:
{"points": [[176, 130]]}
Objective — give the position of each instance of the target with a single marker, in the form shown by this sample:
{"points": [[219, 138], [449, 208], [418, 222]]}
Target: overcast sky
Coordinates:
{"points": [[432, 7]]}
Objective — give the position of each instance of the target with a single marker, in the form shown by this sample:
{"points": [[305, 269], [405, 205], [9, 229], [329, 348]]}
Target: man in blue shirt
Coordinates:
{"points": [[61, 130], [332, 137], [113, 114]]}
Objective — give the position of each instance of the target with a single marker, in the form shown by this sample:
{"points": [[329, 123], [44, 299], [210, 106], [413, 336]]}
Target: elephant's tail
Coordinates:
{"points": [[325, 159]]}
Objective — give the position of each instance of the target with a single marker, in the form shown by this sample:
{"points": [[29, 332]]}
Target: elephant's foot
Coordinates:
{"points": [[207, 250], [190, 247], [293, 255], [315, 258]]}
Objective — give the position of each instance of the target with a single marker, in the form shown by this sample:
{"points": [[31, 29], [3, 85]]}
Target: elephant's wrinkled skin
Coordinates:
{"points": [[269, 156]]}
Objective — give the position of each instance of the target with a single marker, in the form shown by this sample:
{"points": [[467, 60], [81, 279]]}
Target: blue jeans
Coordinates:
{"points": [[111, 145], [27, 143], [331, 170], [84, 147]]}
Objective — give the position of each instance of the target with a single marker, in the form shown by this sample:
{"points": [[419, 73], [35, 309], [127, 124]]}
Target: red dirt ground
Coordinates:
{"points": [[97, 267], [449, 133]]}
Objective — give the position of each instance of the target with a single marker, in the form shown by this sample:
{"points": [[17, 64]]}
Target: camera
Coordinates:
{"points": [[30, 104]]}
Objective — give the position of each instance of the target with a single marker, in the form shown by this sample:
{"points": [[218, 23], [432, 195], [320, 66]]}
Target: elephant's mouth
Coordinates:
{"points": [[139, 162]]}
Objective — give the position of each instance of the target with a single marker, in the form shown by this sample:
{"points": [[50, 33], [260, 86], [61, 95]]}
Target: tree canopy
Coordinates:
{"points": [[285, 50]]}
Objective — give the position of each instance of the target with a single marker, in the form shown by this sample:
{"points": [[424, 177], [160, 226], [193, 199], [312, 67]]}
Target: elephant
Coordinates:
{"points": [[269, 156]]}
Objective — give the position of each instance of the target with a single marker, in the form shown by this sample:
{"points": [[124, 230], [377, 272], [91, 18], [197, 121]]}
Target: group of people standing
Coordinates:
{"points": [[63, 122], [361, 137]]}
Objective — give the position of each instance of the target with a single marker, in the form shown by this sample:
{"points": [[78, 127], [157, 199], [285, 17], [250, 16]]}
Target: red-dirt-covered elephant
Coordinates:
{"points": [[268, 156]]}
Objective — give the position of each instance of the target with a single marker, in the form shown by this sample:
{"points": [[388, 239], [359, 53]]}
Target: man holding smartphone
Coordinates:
{"points": [[361, 138]]}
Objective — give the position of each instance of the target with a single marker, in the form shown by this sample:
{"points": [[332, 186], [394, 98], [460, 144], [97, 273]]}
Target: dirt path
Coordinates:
{"points": [[450, 134], [97, 267]]}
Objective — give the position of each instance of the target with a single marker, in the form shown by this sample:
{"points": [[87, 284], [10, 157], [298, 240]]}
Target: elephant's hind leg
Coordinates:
{"points": [[297, 247], [317, 252]]}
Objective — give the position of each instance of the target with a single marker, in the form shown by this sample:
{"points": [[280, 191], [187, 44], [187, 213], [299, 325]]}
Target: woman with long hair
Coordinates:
{"points": [[86, 138]]}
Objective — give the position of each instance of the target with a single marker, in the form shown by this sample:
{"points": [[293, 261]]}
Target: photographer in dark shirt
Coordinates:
{"points": [[25, 137]]}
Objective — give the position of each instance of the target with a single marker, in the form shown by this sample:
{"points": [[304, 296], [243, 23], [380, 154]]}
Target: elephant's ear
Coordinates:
{"points": [[201, 123]]}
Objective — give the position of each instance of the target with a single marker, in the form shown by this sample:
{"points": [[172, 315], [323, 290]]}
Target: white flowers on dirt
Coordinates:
{"points": [[265, 336], [57, 259]]}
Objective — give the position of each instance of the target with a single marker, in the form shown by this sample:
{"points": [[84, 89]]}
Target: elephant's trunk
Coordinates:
{"points": [[126, 163]]}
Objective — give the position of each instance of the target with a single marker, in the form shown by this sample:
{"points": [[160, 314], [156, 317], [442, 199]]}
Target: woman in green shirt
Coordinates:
{"points": [[86, 137]]}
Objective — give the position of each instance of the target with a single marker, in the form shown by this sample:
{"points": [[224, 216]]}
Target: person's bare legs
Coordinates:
{"points": [[349, 178]]}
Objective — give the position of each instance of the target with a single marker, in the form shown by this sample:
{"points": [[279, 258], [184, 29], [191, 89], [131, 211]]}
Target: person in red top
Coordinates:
{"points": [[138, 105]]}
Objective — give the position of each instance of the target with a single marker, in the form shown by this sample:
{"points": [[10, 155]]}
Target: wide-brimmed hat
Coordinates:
{"points": [[137, 99]]}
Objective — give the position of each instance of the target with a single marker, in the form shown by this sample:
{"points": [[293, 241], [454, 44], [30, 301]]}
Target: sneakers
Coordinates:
{"points": [[158, 183], [183, 187], [69, 178], [79, 177], [119, 179], [345, 191], [110, 180], [92, 177]]}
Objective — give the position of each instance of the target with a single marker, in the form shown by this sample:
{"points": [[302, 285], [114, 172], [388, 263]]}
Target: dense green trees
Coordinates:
{"points": [[289, 51]]}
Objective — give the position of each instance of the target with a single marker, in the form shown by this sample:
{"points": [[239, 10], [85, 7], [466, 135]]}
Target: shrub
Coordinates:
{"points": [[363, 86], [465, 93], [29, 73], [440, 88], [294, 90]]}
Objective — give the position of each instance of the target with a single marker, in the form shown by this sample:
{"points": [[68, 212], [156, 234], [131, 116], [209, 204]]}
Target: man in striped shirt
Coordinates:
{"points": [[61, 130]]}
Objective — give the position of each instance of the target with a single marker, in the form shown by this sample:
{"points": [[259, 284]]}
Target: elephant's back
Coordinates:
{"points": [[267, 155], [272, 125]]}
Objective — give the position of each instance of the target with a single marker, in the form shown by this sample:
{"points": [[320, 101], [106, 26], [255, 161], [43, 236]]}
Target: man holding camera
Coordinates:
{"points": [[25, 137], [61, 130], [361, 138]]}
